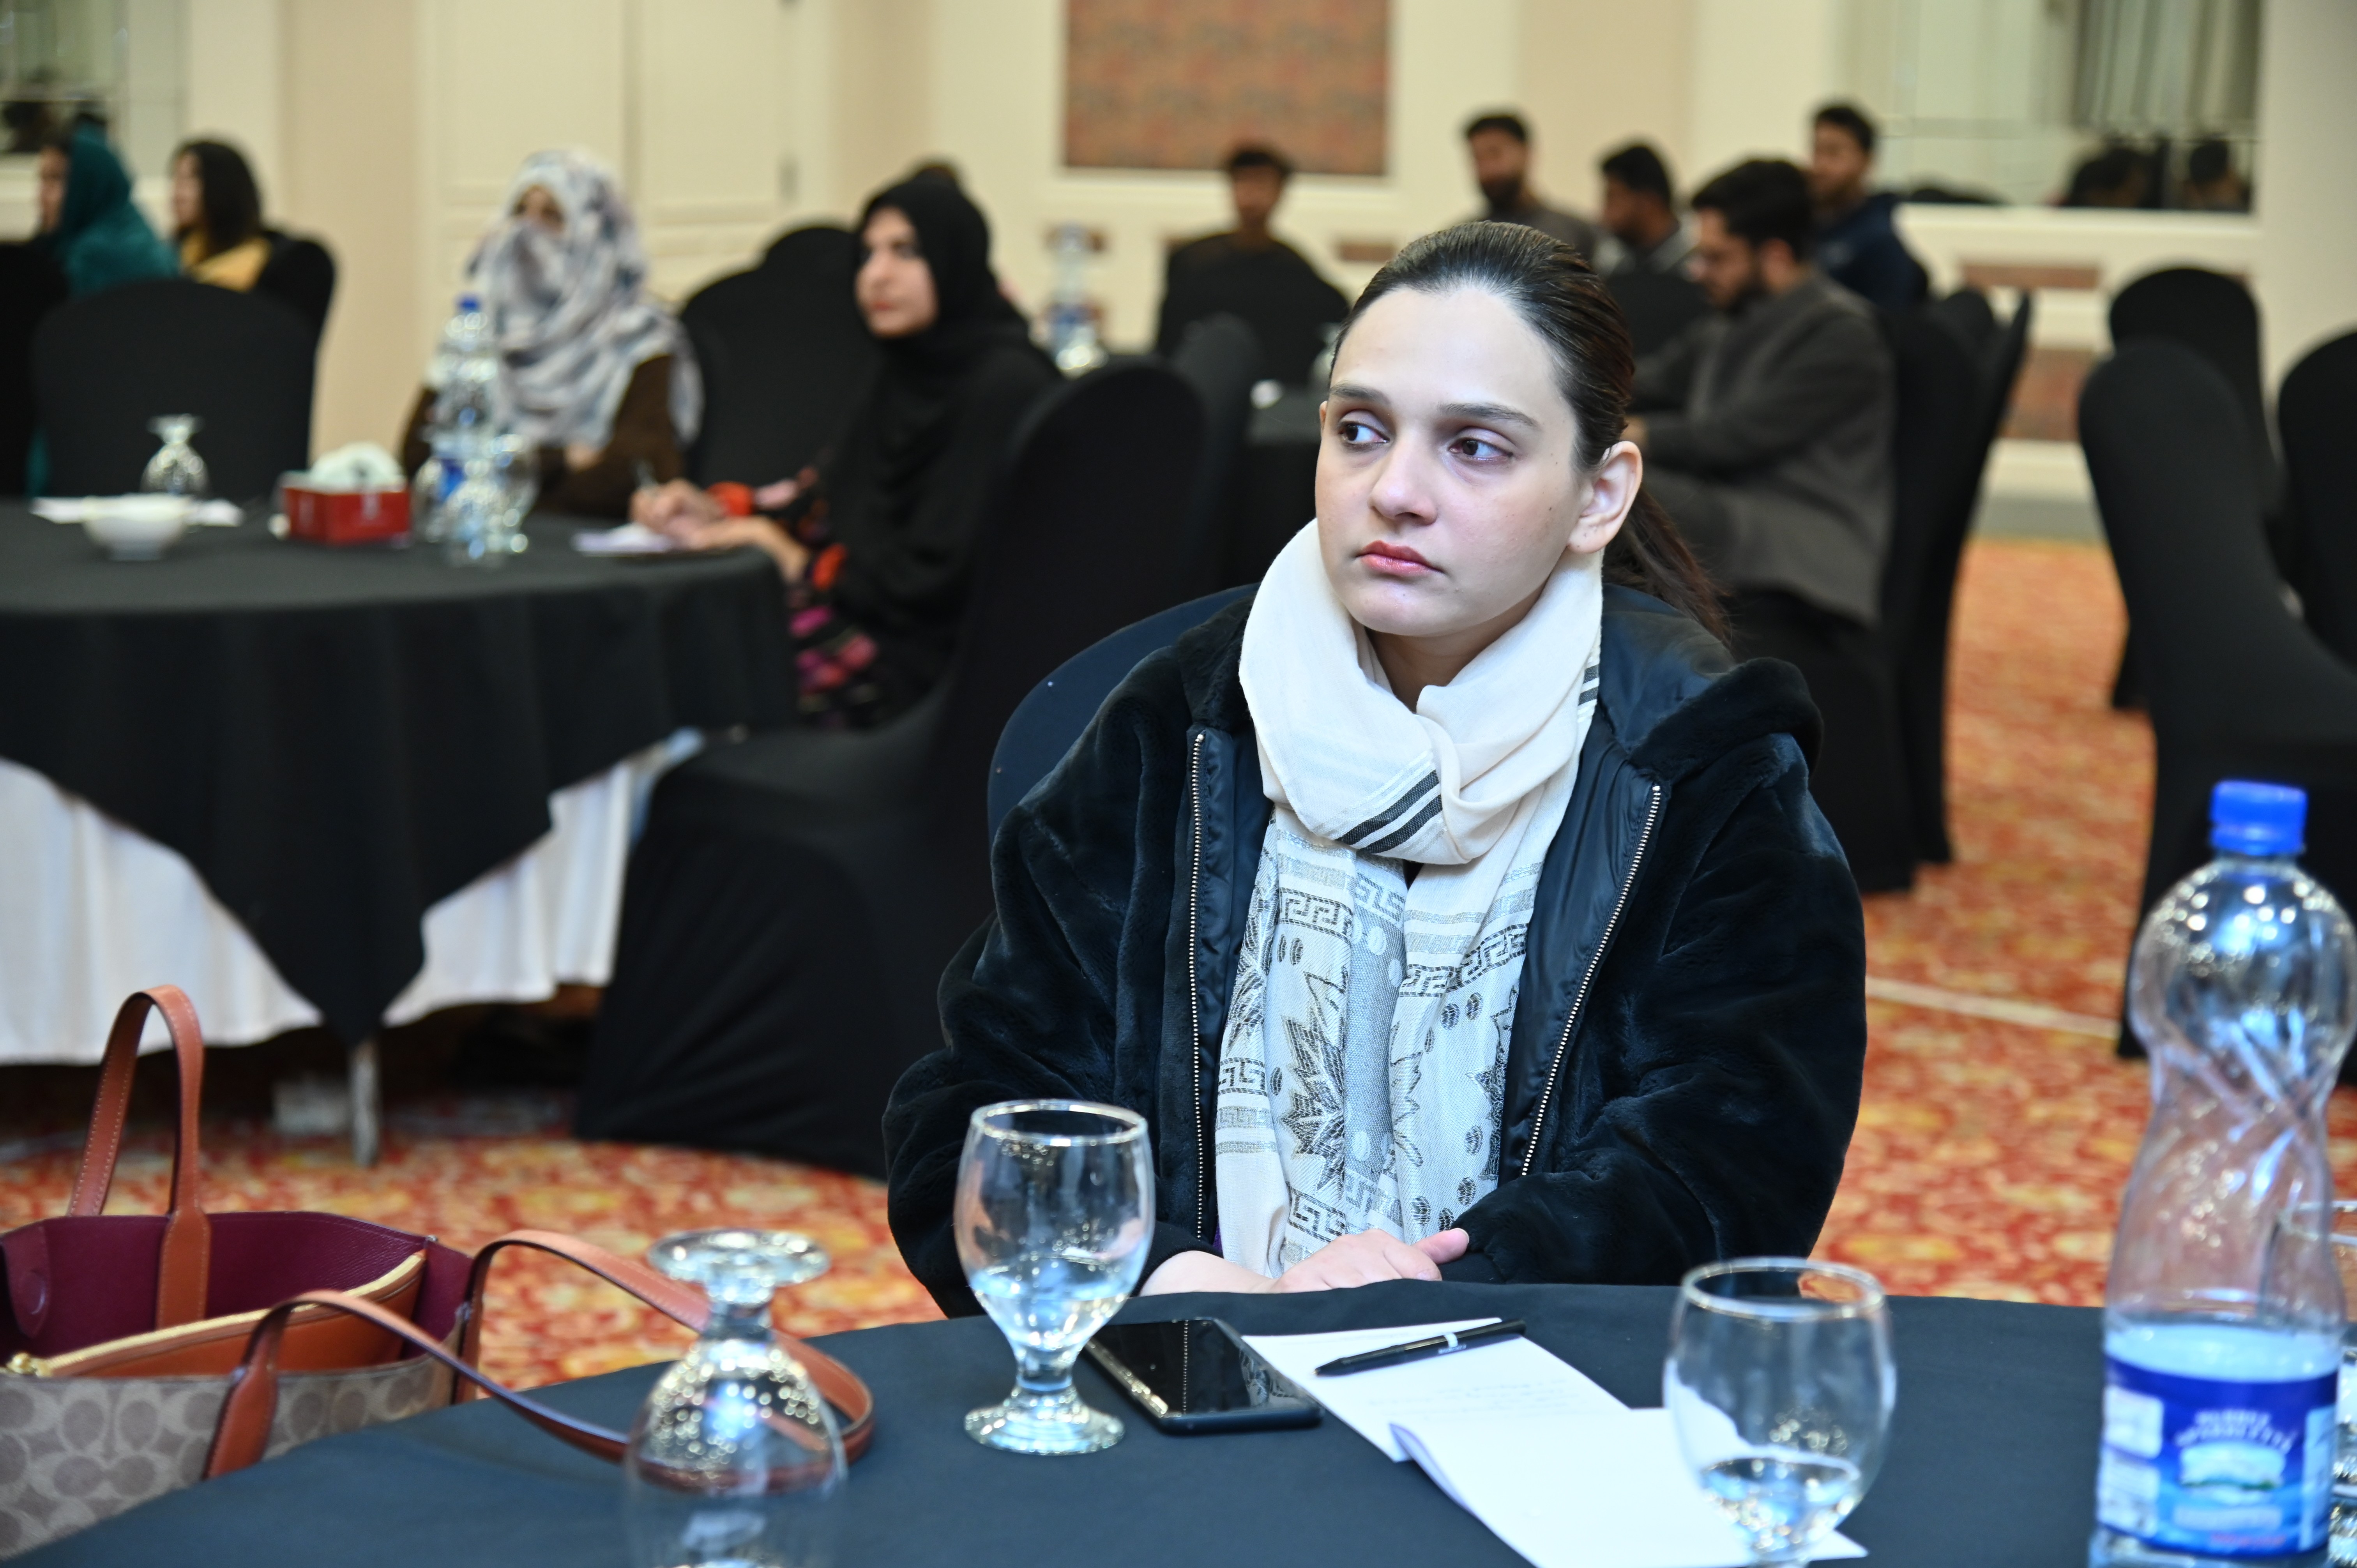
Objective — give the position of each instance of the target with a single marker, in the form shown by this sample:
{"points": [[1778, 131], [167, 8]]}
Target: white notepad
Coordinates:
{"points": [[1607, 1490], [1532, 1446], [1499, 1376]]}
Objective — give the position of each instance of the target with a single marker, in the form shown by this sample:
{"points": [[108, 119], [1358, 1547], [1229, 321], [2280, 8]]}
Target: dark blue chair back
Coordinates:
{"points": [[1047, 723]]}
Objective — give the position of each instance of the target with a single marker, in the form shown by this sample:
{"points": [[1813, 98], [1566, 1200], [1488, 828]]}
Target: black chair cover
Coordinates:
{"points": [[2214, 316], [1219, 357], [1967, 312], [1950, 412], [30, 287], [784, 355], [796, 898], [106, 364], [301, 275], [2236, 686], [1658, 305], [2316, 412], [1051, 718]]}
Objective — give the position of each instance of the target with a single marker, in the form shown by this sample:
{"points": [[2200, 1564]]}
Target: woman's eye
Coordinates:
{"points": [[1356, 433], [1476, 448]]}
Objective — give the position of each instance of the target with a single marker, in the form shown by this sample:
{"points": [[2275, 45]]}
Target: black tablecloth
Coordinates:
{"points": [[1992, 1461], [338, 738]]}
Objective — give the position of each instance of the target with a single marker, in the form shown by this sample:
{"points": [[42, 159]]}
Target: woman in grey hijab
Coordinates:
{"points": [[595, 372]]}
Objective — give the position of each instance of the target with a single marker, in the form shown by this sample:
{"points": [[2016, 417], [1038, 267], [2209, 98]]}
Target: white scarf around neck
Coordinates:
{"points": [[1362, 1068]]}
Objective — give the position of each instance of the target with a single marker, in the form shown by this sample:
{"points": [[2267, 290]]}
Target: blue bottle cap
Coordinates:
{"points": [[470, 302], [2256, 819]]}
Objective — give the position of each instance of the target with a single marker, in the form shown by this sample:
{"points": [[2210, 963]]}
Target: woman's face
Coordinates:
{"points": [[1449, 484], [188, 193], [535, 205], [52, 187], [894, 288]]}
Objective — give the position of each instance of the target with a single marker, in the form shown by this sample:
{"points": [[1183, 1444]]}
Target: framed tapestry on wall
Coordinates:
{"points": [[1149, 84]]}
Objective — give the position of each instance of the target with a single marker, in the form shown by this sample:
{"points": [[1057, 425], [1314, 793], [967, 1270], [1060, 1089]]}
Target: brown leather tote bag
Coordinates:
{"points": [[124, 1337]]}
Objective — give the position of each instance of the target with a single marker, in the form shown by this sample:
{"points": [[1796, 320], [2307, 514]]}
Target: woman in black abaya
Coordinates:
{"points": [[877, 540]]}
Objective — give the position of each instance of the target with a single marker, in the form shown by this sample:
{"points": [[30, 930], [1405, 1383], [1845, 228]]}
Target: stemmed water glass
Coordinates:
{"points": [[734, 1460], [1780, 1383], [176, 470], [1055, 1207]]}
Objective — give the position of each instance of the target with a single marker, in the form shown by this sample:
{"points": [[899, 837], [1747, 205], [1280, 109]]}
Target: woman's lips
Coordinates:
{"points": [[1394, 561]]}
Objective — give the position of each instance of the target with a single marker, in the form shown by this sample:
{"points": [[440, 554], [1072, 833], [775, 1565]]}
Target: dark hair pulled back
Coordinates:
{"points": [[1574, 314]]}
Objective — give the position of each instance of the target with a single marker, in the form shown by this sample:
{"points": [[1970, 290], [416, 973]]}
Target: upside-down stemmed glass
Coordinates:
{"points": [[734, 1460], [176, 470], [1780, 1383], [1055, 1207]]}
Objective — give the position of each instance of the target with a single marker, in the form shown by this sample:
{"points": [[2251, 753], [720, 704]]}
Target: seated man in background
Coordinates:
{"points": [[1640, 215], [1858, 242], [1248, 272], [1772, 452], [1499, 144], [2212, 184]]}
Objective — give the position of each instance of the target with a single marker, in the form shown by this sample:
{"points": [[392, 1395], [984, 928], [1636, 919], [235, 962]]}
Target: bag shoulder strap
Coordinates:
{"points": [[242, 1432], [187, 1258], [854, 1406]]}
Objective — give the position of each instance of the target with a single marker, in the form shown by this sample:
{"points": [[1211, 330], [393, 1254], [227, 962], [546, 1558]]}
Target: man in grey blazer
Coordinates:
{"points": [[1768, 444]]}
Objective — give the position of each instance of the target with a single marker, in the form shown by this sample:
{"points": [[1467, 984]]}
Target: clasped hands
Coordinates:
{"points": [[1360, 1260], [690, 514]]}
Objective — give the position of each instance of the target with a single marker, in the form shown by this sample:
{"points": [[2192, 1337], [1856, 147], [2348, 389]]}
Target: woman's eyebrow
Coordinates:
{"points": [[1350, 393], [1489, 414]]}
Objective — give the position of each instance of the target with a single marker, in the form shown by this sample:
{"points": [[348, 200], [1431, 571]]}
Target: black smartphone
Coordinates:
{"points": [[1198, 1375]]}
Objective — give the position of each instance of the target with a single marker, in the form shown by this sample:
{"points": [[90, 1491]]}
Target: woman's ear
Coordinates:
{"points": [[1612, 491]]}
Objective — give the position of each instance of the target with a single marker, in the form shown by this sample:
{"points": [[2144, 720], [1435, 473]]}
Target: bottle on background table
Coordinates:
{"points": [[464, 376], [2223, 1322]]}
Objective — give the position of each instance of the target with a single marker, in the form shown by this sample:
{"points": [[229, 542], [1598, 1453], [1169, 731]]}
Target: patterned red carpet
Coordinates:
{"points": [[1988, 1159]]}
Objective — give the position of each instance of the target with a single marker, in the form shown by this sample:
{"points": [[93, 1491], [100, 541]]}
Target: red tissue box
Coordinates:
{"points": [[346, 517]]}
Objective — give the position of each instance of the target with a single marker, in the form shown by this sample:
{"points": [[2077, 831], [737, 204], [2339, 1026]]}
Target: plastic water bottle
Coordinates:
{"points": [[464, 376], [1071, 323], [2223, 1318]]}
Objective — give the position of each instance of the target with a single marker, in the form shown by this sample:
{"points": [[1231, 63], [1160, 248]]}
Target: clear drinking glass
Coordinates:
{"points": [[1780, 1383], [176, 470], [474, 519], [1055, 1207], [2336, 1225], [734, 1460]]}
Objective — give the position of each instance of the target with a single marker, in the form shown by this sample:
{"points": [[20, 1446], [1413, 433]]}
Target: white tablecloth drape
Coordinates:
{"points": [[90, 912]]}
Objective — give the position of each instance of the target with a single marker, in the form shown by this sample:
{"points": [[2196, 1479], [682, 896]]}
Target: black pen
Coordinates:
{"points": [[1417, 1349]]}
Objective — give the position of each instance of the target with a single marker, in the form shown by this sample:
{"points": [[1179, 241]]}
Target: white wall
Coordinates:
{"points": [[2308, 141], [1760, 69]]}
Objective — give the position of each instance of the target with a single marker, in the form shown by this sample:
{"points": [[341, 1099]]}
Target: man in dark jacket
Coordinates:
{"points": [[1500, 145], [1858, 233], [1683, 1068], [1248, 272], [1772, 452], [1771, 446]]}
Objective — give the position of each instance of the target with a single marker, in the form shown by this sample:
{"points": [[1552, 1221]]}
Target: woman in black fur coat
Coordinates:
{"points": [[1456, 906]]}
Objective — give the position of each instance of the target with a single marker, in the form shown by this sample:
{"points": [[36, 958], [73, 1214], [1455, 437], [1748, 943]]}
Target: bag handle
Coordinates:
{"points": [[836, 1383], [242, 1432], [186, 1261], [678, 1302]]}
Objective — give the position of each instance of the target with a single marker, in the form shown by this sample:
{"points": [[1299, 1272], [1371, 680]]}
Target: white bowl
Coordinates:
{"points": [[135, 528]]}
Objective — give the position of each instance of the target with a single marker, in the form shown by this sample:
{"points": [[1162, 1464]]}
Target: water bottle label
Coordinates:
{"points": [[2216, 1467]]}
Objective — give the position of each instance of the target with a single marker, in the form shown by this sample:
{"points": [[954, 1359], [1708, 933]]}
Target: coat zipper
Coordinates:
{"points": [[1571, 1019], [1194, 992]]}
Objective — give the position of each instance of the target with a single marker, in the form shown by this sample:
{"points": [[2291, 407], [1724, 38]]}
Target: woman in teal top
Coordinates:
{"points": [[88, 224]]}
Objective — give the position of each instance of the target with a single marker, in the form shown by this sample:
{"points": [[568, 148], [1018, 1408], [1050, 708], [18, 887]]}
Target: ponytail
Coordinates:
{"points": [[1650, 555]]}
